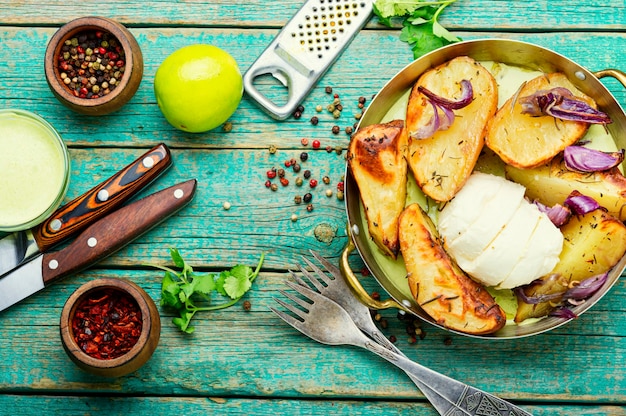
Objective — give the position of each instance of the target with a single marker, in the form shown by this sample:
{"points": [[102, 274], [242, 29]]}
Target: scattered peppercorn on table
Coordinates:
{"points": [[243, 359]]}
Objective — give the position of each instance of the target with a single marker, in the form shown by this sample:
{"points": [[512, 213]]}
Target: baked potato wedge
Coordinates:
{"points": [[593, 244], [442, 163], [376, 157], [525, 141], [445, 293], [552, 183]]}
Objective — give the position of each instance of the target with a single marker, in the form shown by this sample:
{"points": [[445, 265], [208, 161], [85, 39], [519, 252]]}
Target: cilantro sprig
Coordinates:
{"points": [[188, 292], [421, 28]]}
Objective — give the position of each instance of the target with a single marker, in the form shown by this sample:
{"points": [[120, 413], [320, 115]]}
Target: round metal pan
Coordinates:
{"points": [[509, 52]]}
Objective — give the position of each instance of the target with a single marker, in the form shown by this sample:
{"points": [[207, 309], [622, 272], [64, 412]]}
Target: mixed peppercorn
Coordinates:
{"points": [[277, 178], [91, 64]]}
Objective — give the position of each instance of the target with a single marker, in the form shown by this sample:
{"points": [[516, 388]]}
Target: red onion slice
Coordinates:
{"points": [[447, 121], [587, 287], [564, 313], [467, 96], [560, 103], [429, 129], [583, 159], [581, 204], [573, 296], [533, 300], [558, 214]]}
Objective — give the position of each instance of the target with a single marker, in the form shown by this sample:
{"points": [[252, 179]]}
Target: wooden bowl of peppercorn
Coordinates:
{"points": [[93, 65], [110, 327]]}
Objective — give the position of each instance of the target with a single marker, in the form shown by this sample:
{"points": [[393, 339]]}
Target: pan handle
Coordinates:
{"points": [[356, 287], [614, 73]]}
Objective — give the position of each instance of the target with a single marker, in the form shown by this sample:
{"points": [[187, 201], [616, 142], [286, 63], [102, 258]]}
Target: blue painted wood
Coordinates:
{"points": [[242, 362]]}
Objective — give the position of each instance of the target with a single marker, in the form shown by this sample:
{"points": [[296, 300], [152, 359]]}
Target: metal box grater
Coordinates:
{"points": [[305, 48]]}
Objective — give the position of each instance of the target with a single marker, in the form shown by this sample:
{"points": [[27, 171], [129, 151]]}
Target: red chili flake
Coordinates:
{"points": [[313, 183], [107, 324], [316, 144]]}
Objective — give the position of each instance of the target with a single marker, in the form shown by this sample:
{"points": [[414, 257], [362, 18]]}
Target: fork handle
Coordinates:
{"points": [[469, 399], [443, 404]]}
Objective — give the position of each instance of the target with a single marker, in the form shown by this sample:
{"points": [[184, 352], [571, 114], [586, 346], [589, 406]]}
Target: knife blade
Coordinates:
{"points": [[99, 240], [18, 247]]}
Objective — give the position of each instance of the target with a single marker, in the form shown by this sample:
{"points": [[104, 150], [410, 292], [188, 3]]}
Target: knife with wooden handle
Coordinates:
{"points": [[18, 247], [98, 241]]}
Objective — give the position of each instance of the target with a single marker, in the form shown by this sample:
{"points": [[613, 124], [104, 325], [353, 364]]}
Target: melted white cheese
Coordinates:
{"points": [[496, 236]]}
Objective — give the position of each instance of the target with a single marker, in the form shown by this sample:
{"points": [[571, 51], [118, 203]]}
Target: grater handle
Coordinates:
{"points": [[297, 84], [305, 48]]}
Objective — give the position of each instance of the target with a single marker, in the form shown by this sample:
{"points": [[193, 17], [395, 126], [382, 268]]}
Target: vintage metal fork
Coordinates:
{"points": [[335, 288], [325, 321]]}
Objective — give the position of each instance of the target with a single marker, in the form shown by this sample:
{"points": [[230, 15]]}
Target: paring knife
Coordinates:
{"points": [[18, 247], [98, 241]]}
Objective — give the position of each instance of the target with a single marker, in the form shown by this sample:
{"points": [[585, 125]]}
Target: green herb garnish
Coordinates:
{"points": [[421, 28], [188, 292]]}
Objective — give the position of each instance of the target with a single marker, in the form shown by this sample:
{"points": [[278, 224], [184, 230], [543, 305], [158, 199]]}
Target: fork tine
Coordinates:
{"points": [[319, 272], [297, 278], [287, 318], [291, 308], [299, 301], [306, 291], [314, 280], [334, 270]]}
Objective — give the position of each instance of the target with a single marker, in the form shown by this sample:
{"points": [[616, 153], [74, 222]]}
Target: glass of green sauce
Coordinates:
{"points": [[34, 170]]}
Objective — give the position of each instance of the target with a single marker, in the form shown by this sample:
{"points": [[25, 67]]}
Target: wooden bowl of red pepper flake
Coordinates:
{"points": [[110, 327], [93, 65]]}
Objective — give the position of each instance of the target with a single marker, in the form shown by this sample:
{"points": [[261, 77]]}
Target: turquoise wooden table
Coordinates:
{"points": [[250, 362]]}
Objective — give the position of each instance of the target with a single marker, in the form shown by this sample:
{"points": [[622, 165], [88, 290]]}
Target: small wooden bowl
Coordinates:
{"points": [[138, 355], [122, 93]]}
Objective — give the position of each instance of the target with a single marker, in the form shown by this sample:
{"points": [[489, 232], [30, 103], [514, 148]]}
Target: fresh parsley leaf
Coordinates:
{"points": [[204, 284], [421, 28], [170, 291], [219, 283], [188, 292], [420, 38], [235, 286]]}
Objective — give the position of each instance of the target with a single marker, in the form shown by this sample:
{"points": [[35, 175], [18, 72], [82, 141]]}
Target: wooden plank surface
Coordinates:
{"points": [[492, 15], [140, 123], [242, 362]]}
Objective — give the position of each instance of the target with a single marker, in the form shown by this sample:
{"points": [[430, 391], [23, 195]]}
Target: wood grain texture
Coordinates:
{"points": [[241, 362], [243, 354], [500, 15], [140, 122]]}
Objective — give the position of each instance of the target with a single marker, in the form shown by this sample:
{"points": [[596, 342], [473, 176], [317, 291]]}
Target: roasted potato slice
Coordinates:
{"points": [[445, 293], [593, 244], [442, 163], [376, 157], [525, 141], [552, 183]]}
